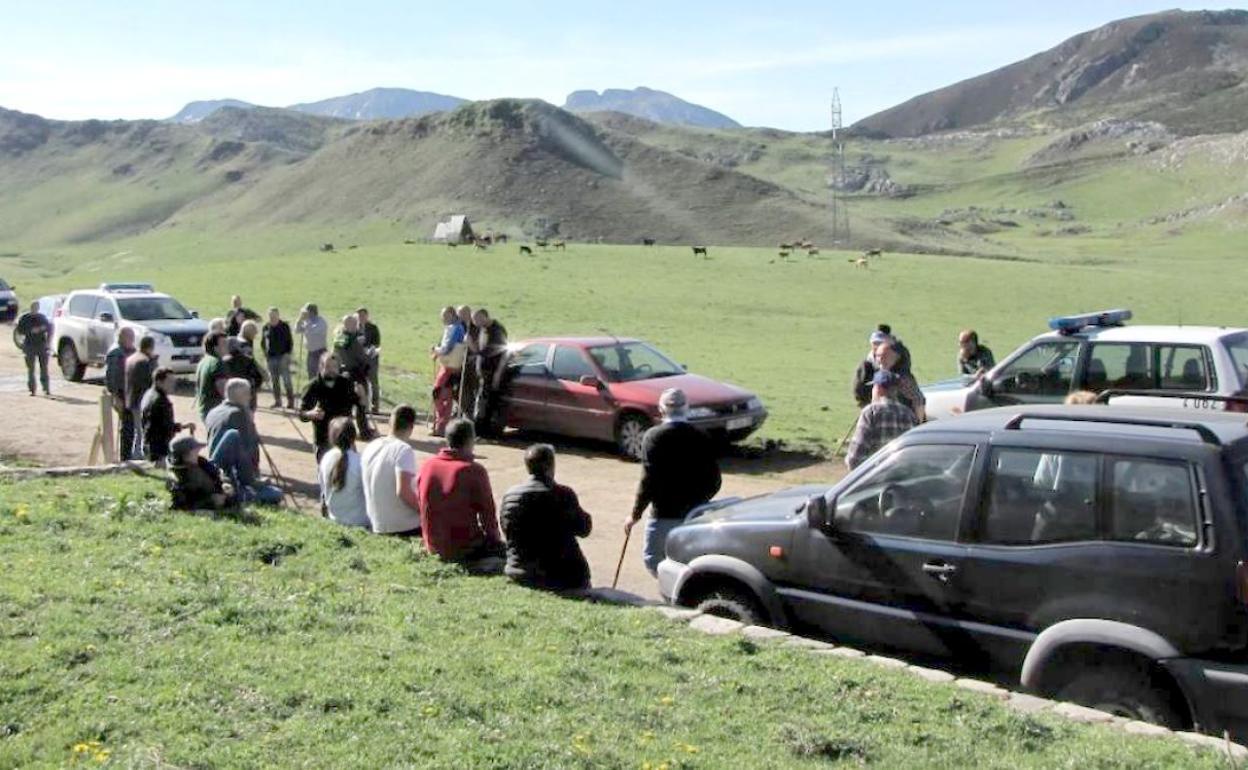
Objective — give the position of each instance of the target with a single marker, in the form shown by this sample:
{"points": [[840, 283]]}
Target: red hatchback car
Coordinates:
{"points": [[607, 388]]}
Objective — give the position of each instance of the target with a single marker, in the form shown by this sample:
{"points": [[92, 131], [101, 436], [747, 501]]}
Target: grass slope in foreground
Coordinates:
{"points": [[281, 640]]}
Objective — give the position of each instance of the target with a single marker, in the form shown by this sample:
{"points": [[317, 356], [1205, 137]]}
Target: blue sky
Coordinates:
{"points": [[761, 63]]}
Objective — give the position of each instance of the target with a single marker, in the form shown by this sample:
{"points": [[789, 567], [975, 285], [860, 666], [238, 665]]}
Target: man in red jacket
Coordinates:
{"points": [[457, 515]]}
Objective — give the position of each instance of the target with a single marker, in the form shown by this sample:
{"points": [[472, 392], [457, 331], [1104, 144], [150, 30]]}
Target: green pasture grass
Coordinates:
{"points": [[132, 636], [792, 330]]}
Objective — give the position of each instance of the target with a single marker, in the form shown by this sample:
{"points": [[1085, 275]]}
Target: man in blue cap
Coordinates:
{"points": [[880, 421]]}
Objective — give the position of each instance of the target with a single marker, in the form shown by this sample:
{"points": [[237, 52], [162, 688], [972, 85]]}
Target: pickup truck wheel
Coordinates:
{"points": [[734, 604], [72, 368], [629, 435], [1126, 691]]}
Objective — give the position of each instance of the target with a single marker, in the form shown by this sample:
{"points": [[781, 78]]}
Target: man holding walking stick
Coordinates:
{"points": [[679, 473]]}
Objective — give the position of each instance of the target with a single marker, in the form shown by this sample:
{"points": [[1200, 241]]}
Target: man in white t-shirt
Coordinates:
{"points": [[390, 478]]}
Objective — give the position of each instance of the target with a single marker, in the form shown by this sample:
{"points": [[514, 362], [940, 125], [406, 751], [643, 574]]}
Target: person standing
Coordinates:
{"points": [[315, 332], [241, 359], [139, 368], [974, 359], [234, 444], [491, 351], [372, 348], [353, 363], [860, 386], [237, 315], [468, 375], [679, 472], [906, 387], [903, 353], [341, 477], [457, 514], [278, 343], [881, 421], [388, 466], [449, 355], [115, 384], [210, 373], [156, 416], [327, 398], [542, 520], [35, 331]]}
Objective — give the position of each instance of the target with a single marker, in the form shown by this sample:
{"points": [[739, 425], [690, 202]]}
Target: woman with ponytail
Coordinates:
{"points": [[342, 484]]}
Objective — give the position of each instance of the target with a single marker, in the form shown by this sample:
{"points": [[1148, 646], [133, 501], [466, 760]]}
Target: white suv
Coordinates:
{"points": [[1098, 352], [9, 309], [88, 321]]}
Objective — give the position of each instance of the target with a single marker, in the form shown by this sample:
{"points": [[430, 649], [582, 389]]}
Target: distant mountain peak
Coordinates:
{"points": [[648, 103], [194, 112], [381, 104], [1186, 69]]}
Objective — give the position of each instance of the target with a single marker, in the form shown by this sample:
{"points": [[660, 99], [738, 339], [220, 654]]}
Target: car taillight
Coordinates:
{"points": [[1241, 582]]}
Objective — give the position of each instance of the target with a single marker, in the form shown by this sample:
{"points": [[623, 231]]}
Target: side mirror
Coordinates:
{"points": [[590, 381], [194, 314], [819, 514], [107, 318], [684, 367], [985, 387]]}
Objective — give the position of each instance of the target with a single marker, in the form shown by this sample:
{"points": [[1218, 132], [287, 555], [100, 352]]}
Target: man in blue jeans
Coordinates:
{"points": [[234, 445], [679, 473]]}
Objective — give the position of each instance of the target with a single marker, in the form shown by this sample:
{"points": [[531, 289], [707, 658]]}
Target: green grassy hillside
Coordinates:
{"points": [[137, 637]]}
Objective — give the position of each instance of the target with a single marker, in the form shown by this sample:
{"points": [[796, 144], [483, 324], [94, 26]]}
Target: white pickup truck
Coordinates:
{"points": [[1099, 352]]}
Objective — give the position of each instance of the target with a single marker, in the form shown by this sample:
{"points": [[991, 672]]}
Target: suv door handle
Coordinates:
{"points": [[939, 570]]}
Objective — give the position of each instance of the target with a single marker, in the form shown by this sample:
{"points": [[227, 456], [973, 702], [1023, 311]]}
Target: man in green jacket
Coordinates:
{"points": [[211, 374]]}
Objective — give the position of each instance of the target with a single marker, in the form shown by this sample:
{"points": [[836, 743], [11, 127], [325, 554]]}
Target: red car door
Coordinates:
{"points": [[528, 380], [577, 400]]}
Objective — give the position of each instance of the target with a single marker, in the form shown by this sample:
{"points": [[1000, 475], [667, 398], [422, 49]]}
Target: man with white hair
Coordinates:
{"points": [[679, 473], [234, 444]]}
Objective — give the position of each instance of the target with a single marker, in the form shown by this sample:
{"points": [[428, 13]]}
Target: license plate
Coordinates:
{"points": [[740, 422]]}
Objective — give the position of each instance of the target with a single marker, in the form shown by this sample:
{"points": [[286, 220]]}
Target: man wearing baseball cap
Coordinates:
{"points": [[194, 482], [679, 472], [880, 421]]}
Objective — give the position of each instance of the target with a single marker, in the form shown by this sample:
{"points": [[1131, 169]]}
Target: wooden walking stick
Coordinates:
{"points": [[618, 565]]}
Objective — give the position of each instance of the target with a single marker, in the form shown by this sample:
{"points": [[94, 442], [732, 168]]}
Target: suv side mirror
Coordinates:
{"points": [[819, 514], [590, 381], [985, 387], [106, 318], [194, 313]]}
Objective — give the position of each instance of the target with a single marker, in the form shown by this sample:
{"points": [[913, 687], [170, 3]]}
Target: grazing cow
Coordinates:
{"points": [[700, 250], [479, 243], [451, 244], [327, 247], [812, 251], [873, 253], [560, 245], [784, 255], [526, 250], [647, 241], [487, 239], [787, 246], [500, 238], [860, 262], [409, 242], [541, 242]]}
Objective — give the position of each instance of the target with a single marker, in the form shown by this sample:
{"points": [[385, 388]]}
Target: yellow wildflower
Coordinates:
{"points": [[102, 755], [667, 700]]}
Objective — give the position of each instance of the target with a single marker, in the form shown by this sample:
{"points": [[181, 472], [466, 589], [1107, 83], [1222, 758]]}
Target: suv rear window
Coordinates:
{"points": [[1237, 347], [1147, 366], [1152, 501], [1037, 497]]}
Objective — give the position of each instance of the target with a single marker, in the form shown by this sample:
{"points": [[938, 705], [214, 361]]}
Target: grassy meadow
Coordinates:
{"points": [[133, 636], [790, 329]]}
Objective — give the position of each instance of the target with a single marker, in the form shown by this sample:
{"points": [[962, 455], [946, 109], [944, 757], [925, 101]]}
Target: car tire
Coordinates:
{"points": [[629, 435], [734, 604], [72, 367], [1124, 690]]}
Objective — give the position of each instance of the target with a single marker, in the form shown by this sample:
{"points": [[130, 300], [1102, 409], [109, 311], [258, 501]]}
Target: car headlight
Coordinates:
{"points": [[754, 404], [701, 412], [161, 340]]}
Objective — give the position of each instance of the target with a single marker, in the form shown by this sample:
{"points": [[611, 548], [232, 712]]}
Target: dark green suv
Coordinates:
{"points": [[1098, 554]]}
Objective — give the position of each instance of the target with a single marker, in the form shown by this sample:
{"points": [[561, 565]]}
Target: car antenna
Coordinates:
{"points": [[607, 332]]}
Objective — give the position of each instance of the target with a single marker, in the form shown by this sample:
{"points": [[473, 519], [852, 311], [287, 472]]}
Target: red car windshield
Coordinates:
{"points": [[633, 361]]}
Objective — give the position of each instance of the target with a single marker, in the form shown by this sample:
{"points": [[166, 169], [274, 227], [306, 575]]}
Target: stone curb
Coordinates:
{"points": [[1021, 702]]}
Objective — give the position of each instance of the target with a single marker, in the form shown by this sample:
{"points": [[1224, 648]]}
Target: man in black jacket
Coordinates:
{"points": [[330, 395], [372, 347], [156, 416], [491, 350], [542, 520], [679, 473], [33, 333], [278, 343]]}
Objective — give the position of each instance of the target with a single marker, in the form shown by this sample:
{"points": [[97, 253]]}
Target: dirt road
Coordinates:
{"points": [[58, 431]]}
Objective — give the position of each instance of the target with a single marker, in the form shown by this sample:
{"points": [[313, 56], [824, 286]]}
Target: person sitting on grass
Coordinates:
{"points": [[388, 466], [341, 477], [457, 514], [542, 520], [195, 482], [234, 444]]}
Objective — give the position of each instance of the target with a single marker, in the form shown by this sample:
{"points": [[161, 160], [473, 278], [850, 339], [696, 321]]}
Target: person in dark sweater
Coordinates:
{"points": [[138, 378], [194, 482], [156, 416], [541, 521], [372, 346], [679, 473], [330, 395], [278, 343], [491, 350], [237, 315], [115, 384], [33, 333]]}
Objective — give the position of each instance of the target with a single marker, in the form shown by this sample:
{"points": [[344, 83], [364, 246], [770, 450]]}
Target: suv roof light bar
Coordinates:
{"points": [[1072, 323], [119, 288], [1206, 435]]}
